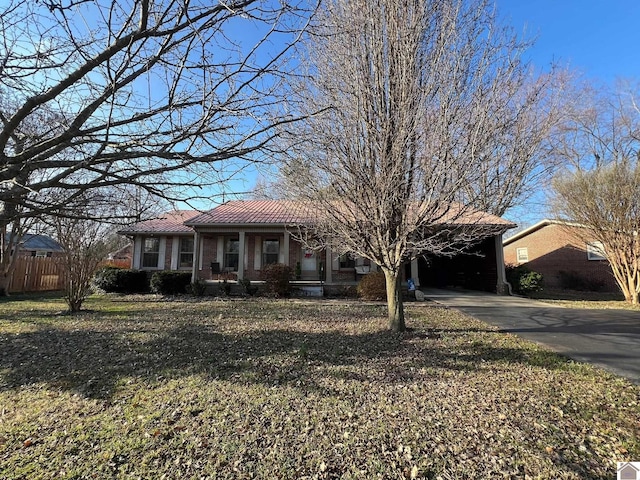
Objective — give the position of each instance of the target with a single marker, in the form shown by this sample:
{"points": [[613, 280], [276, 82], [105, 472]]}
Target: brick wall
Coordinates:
{"points": [[209, 254], [553, 248]]}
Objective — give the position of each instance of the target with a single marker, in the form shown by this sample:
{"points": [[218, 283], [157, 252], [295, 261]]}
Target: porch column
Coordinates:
{"points": [[328, 265], [137, 253], [285, 248], [502, 287], [175, 246], [241, 240], [196, 256], [414, 272]]}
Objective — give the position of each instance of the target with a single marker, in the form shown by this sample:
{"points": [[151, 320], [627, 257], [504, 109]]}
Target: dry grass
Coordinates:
{"points": [[585, 300], [141, 388]]}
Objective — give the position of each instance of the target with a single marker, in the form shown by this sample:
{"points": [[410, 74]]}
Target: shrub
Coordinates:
{"points": [[373, 286], [224, 287], [197, 288], [247, 288], [170, 283], [121, 280], [276, 279], [523, 280]]}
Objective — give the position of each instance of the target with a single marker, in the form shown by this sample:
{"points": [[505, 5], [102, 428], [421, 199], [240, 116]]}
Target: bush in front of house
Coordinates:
{"points": [[523, 280], [373, 286], [197, 288], [112, 279], [276, 278], [170, 283]]}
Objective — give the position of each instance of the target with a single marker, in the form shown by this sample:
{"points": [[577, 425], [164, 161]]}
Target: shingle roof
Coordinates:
{"points": [[39, 242], [260, 212], [538, 226], [170, 222]]}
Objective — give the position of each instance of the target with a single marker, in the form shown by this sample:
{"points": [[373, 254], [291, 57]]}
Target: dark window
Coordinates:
{"points": [[186, 252], [347, 261], [231, 251], [270, 251], [150, 252]]}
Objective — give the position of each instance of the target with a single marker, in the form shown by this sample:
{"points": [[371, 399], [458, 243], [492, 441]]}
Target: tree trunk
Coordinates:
{"points": [[394, 301], [629, 289], [633, 291], [4, 285]]}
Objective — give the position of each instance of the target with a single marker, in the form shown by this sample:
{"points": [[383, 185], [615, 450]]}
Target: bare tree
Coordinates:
{"points": [[85, 245], [419, 114], [600, 188], [167, 95]]}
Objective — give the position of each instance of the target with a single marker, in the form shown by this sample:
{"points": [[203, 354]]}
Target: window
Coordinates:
{"points": [[41, 254], [522, 255], [347, 261], [231, 250], [270, 251], [186, 253], [150, 252], [595, 251]]}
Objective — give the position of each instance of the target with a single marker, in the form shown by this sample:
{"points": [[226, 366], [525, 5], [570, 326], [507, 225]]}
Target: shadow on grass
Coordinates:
{"points": [[93, 362]]}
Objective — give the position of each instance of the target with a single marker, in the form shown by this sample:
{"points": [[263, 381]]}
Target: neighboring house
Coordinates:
{"points": [[122, 257], [554, 249], [40, 246], [238, 238]]}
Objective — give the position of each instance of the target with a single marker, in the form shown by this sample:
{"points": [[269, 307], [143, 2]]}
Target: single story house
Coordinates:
{"points": [[236, 239], [554, 249], [39, 246]]}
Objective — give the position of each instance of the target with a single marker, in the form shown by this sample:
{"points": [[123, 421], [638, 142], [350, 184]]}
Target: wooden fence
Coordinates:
{"points": [[33, 274]]}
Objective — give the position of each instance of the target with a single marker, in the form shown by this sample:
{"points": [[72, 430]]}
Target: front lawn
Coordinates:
{"points": [[143, 388]]}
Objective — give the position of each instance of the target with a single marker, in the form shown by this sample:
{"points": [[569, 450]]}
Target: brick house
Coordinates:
{"points": [[553, 248], [236, 239]]}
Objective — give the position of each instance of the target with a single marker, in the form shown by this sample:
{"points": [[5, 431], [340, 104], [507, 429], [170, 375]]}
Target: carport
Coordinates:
{"points": [[481, 268]]}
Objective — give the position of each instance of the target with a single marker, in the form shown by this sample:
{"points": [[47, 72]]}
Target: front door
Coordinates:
{"points": [[309, 265]]}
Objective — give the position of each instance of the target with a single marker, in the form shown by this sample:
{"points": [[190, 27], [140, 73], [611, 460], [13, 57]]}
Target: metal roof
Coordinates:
{"points": [[170, 222]]}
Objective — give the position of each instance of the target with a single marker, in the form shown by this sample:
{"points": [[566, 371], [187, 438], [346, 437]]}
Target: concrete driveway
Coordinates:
{"points": [[607, 338]]}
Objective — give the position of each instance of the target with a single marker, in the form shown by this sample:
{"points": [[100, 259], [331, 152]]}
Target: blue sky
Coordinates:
{"points": [[598, 38]]}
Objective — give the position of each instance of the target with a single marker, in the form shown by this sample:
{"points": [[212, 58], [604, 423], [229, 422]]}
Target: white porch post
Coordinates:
{"points": [[137, 253], [241, 249], [286, 248], [502, 287], [328, 265], [175, 246], [414, 272], [196, 256]]}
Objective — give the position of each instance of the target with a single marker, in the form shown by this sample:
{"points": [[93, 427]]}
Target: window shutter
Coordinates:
{"points": [[220, 250], [257, 257], [335, 261]]}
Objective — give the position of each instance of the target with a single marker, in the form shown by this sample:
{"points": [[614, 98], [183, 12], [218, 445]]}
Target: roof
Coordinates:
{"points": [[38, 242], [170, 222], [255, 212], [268, 213], [465, 215], [538, 226]]}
